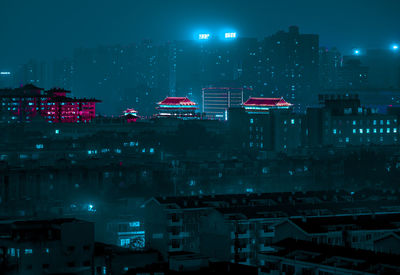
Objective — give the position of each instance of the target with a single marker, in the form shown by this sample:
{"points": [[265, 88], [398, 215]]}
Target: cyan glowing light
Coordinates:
{"points": [[395, 47], [5, 73], [356, 52], [230, 35], [204, 35]]}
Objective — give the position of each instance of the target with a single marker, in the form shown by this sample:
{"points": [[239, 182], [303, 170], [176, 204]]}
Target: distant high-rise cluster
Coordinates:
{"points": [[287, 63]]}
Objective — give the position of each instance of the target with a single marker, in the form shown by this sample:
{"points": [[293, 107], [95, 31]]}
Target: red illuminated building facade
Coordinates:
{"points": [[260, 105], [180, 107], [24, 103], [131, 115]]}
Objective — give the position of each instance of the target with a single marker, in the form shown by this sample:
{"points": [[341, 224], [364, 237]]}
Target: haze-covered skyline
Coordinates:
{"points": [[52, 29]]}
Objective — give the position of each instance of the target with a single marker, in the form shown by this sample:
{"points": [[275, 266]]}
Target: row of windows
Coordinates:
{"points": [[348, 139], [368, 131]]}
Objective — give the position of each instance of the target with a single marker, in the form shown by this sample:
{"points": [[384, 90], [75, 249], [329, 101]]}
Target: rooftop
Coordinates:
{"points": [[177, 101], [266, 102], [335, 257]]}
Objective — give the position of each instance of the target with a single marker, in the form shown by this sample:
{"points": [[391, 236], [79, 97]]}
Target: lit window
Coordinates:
{"points": [[361, 131], [388, 122], [374, 130], [381, 122], [39, 146], [251, 121], [134, 224], [394, 130], [334, 131], [388, 130], [28, 251], [57, 131], [292, 121], [381, 130], [125, 242], [367, 130], [347, 139], [354, 122], [354, 131]]}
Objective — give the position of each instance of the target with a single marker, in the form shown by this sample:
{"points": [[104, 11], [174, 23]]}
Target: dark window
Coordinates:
{"points": [[86, 247], [70, 264], [86, 263], [45, 266]]}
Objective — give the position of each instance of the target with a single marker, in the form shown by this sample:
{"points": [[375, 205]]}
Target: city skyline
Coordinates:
{"points": [[359, 24]]}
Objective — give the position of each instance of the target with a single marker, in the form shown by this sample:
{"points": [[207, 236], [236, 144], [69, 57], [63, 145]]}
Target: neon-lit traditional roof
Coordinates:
{"points": [[130, 111], [266, 102], [177, 101]]}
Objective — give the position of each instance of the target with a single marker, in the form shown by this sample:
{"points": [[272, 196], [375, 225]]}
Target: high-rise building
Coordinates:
{"points": [[216, 62], [330, 63], [384, 68], [33, 72], [62, 74], [352, 75], [291, 64], [124, 76]]}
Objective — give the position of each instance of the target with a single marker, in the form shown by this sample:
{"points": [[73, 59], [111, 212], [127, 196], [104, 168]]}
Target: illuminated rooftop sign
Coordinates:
{"points": [[204, 35], [5, 73], [230, 35]]}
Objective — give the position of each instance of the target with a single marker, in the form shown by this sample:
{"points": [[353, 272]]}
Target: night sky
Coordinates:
{"points": [[45, 29]]}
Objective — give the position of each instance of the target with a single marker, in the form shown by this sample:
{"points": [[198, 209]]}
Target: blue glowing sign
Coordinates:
{"points": [[204, 35], [230, 35]]}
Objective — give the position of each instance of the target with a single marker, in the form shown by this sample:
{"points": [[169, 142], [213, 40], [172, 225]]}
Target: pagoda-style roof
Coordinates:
{"points": [[130, 112], [177, 101], [266, 102]]}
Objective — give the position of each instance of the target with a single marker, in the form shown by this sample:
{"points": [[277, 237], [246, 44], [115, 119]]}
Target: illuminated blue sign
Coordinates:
{"points": [[230, 35], [204, 35]]}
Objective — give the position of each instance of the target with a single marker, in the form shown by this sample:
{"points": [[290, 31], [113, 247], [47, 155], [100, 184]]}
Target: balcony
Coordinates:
{"points": [[265, 248], [241, 235], [266, 234], [246, 249]]}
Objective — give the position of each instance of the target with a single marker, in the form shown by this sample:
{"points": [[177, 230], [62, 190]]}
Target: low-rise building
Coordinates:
{"points": [[47, 246]]}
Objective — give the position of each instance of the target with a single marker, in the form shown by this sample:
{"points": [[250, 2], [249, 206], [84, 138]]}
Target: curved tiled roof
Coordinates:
{"points": [[176, 101], [266, 102]]}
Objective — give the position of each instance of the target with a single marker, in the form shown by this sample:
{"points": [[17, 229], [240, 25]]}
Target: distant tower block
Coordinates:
{"points": [[217, 101]]}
